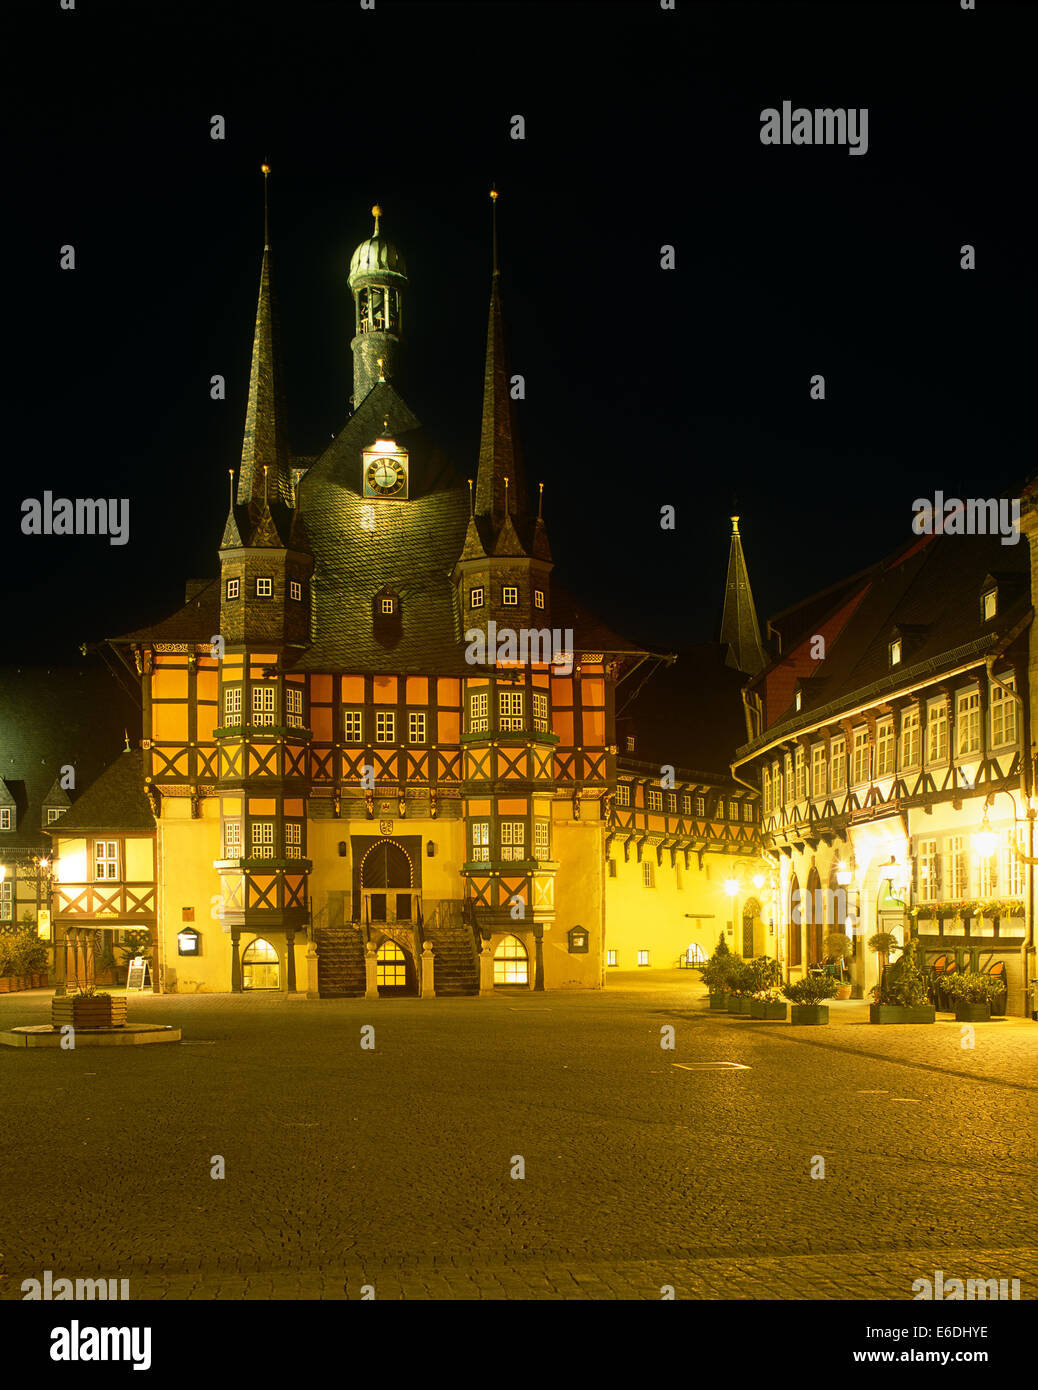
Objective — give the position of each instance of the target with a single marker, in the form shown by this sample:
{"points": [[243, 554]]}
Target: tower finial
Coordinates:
{"points": [[266, 469], [472, 499], [126, 737], [230, 487], [493, 219], [376, 213], [540, 501], [265, 170], [735, 525], [381, 368]]}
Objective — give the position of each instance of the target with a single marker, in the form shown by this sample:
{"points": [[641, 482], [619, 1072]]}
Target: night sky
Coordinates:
{"points": [[644, 387]]}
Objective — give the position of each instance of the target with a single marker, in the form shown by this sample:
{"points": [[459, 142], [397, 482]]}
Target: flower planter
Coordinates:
{"points": [[739, 1004], [809, 1013], [770, 1010], [972, 1013], [843, 991], [902, 1013], [87, 1012], [718, 1002]]}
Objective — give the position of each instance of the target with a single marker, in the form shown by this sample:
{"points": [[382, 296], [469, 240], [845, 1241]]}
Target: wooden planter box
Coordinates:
{"points": [[5, 984], [718, 1002], [809, 1013], [87, 1013], [770, 1010], [739, 1004], [902, 1013], [972, 1013]]}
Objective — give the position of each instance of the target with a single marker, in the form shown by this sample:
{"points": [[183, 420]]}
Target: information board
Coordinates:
{"points": [[137, 974]]}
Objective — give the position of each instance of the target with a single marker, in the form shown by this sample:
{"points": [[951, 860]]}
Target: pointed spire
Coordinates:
{"points": [[739, 628], [231, 535], [265, 532], [498, 448], [540, 547], [265, 442]]}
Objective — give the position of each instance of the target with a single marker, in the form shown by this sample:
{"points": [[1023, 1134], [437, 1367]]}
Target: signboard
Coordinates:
{"points": [[136, 975], [43, 924]]}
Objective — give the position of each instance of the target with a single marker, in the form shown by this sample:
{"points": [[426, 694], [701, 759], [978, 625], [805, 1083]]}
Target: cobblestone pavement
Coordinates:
{"points": [[392, 1167]]}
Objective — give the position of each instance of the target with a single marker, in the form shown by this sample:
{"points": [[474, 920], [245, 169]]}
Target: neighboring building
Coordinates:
{"points": [[58, 728], [323, 742], [891, 730]]}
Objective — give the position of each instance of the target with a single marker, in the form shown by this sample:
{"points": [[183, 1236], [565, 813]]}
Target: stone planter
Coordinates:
{"points": [[718, 1002], [89, 1012], [972, 1013], [770, 1010], [739, 1004], [902, 1013], [809, 1013]]}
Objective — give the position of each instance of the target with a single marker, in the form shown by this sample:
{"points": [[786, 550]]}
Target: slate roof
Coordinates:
{"points": [[114, 802], [931, 590], [50, 718], [197, 621]]}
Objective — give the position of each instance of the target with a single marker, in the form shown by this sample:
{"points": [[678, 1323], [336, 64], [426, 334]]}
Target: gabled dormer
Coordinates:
{"points": [[903, 641], [8, 810], [997, 591], [55, 804], [387, 619]]}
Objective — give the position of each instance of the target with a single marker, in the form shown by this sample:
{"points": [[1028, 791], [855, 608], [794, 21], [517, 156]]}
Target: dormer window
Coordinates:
{"points": [[54, 813], [989, 604], [895, 652], [388, 605], [798, 700]]}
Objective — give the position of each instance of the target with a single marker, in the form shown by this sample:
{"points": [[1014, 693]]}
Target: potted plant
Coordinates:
{"points": [[902, 997], [973, 993], [740, 986], [838, 947], [767, 1004], [807, 995], [716, 973], [88, 1008]]}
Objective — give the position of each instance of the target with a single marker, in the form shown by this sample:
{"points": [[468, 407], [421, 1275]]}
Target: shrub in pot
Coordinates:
{"points": [[973, 993], [741, 985], [767, 1004], [808, 998], [717, 972], [838, 946], [903, 997]]}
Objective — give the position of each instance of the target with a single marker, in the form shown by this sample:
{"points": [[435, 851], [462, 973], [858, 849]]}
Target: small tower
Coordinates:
{"points": [[739, 628], [377, 280]]}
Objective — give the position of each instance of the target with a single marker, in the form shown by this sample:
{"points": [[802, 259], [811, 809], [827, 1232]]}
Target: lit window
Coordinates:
{"points": [[672, 801], [1014, 875], [968, 722], [733, 806], [937, 733], [747, 810], [818, 770], [509, 596], [655, 799], [860, 757], [610, 957], [385, 726], [540, 839], [686, 805], [1003, 712], [629, 743], [294, 704], [540, 712], [838, 765], [511, 963], [623, 793], [957, 865], [648, 877], [264, 588], [295, 589], [719, 812], [789, 778], [390, 966], [800, 770], [6, 817], [989, 604], [513, 839], [798, 699], [263, 704], [352, 725], [293, 839], [233, 588], [885, 748], [232, 839], [765, 782], [232, 706], [476, 598], [387, 605], [538, 598], [701, 806], [480, 839], [416, 726], [54, 813], [262, 839], [910, 738], [479, 720], [895, 652], [510, 711], [929, 871], [106, 859], [643, 957], [6, 901]]}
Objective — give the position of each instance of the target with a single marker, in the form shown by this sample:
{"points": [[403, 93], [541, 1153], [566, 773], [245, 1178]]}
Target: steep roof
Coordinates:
{"points": [[114, 802], [265, 441], [52, 718], [739, 628]]}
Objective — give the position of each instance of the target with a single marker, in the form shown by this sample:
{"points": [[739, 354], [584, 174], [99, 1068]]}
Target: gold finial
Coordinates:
{"points": [[381, 370], [230, 485], [472, 500], [376, 213], [126, 736], [735, 525], [493, 194], [266, 466], [265, 171], [540, 500], [493, 218], [265, 168]]}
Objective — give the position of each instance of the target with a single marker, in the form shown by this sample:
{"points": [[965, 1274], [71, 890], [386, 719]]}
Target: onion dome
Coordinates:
{"points": [[377, 256]]}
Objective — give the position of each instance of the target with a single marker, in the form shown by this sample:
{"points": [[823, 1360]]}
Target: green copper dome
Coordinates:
{"points": [[376, 256]]}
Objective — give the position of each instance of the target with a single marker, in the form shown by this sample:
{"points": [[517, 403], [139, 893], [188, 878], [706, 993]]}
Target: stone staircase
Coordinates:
{"points": [[340, 962], [456, 970]]}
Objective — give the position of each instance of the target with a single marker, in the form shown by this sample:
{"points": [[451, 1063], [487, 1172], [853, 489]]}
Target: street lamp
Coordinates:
{"points": [[985, 840]]}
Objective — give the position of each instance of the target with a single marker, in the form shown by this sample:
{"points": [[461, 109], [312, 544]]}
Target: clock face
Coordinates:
{"points": [[385, 476]]}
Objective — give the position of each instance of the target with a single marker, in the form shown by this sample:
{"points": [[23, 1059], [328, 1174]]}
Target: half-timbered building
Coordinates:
{"points": [[891, 744]]}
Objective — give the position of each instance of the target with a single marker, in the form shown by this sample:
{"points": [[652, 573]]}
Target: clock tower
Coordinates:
{"points": [[377, 280]]}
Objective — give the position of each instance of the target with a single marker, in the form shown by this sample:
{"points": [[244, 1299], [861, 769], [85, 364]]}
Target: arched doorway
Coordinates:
{"points": [[813, 917], [387, 884], [795, 918], [394, 973], [260, 967], [511, 962], [750, 918]]}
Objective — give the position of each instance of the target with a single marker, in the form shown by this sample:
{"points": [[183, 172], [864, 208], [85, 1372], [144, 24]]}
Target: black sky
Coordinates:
{"points": [[644, 387]]}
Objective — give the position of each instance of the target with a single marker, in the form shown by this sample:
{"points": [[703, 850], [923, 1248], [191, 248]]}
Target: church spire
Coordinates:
{"points": [[498, 447], [739, 629], [265, 443]]}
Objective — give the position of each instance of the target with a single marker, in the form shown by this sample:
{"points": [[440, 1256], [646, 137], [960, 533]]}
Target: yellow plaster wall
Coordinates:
{"points": [[579, 901], [186, 850]]}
